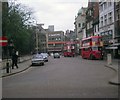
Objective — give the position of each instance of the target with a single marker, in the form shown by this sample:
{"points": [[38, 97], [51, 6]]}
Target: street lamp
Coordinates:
{"points": [[37, 38], [54, 47]]}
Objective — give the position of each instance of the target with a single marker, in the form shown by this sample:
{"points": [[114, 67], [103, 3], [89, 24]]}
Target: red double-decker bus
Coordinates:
{"points": [[69, 49], [91, 47]]}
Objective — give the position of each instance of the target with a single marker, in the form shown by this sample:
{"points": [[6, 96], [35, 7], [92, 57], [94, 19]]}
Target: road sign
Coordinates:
{"points": [[3, 41]]}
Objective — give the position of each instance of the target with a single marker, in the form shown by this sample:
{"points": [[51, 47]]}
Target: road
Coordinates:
{"points": [[71, 77]]}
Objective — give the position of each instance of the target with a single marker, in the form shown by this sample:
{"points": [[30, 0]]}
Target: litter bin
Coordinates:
{"points": [[7, 67], [109, 59]]}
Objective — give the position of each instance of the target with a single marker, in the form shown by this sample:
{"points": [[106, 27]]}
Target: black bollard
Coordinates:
{"points": [[7, 67]]}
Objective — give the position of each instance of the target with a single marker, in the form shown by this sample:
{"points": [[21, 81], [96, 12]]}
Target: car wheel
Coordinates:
{"points": [[42, 64]]}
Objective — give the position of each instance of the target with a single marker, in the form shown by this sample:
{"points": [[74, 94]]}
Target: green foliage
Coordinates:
{"points": [[15, 26]]}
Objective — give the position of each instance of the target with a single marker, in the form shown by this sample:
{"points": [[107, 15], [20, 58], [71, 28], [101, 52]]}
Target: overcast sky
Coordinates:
{"points": [[60, 13]]}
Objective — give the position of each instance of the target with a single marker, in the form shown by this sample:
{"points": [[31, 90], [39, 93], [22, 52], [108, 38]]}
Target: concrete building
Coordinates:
{"points": [[106, 25], [80, 22], [89, 19], [92, 19], [40, 38], [51, 28], [117, 30], [96, 18], [55, 41], [106, 19], [70, 35]]}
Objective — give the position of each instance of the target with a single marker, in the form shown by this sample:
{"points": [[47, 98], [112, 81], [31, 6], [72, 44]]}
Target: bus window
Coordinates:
{"points": [[94, 48], [95, 39]]}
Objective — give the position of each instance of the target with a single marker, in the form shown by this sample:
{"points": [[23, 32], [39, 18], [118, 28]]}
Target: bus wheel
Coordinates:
{"points": [[91, 57]]}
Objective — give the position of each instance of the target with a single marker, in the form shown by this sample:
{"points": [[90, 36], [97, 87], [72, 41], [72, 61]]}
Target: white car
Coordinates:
{"points": [[37, 59], [45, 56], [56, 55]]}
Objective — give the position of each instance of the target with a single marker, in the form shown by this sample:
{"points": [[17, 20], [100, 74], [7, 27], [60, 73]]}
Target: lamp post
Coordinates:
{"points": [[37, 39], [54, 47]]}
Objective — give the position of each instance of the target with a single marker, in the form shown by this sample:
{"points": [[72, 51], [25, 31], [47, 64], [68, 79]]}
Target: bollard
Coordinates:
{"points": [[109, 59], [7, 67]]}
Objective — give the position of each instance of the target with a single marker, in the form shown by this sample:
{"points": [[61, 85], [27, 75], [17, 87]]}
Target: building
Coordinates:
{"points": [[106, 25], [51, 28], [55, 41], [117, 30], [40, 38], [70, 35], [89, 19], [96, 18], [80, 22]]}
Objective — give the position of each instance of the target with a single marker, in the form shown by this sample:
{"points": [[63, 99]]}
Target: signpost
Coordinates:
{"points": [[3, 41]]}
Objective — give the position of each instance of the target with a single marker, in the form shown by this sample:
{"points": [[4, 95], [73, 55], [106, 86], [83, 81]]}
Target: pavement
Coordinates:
{"points": [[25, 63], [114, 65]]}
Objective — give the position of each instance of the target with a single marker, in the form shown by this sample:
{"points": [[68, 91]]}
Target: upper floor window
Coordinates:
{"points": [[79, 25], [91, 24], [110, 17], [83, 24], [105, 19], [105, 5], [101, 7], [101, 21], [109, 3], [117, 15]]}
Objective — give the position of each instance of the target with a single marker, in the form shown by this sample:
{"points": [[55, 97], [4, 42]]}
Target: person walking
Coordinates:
{"points": [[14, 59]]}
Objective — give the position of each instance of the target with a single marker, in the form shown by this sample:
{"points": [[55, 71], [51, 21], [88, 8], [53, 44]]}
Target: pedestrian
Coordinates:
{"points": [[14, 59]]}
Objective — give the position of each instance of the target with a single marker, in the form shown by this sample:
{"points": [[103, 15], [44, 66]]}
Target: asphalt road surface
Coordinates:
{"points": [[67, 77]]}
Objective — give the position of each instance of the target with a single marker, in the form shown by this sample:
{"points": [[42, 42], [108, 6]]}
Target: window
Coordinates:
{"points": [[88, 26], [95, 39], [109, 3], [95, 28], [91, 24], [105, 5], [79, 25], [90, 12], [117, 15], [98, 27], [101, 7], [94, 48], [83, 24], [101, 21], [110, 17], [105, 19]]}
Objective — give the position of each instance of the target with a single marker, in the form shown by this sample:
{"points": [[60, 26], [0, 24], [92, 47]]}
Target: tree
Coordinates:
{"points": [[16, 26]]}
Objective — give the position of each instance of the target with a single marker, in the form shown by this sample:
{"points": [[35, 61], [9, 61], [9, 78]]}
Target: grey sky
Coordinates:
{"points": [[60, 13]]}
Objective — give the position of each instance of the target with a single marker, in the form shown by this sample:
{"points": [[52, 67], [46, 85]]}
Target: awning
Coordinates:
{"points": [[111, 48]]}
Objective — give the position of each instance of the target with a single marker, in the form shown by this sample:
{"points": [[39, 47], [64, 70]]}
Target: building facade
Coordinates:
{"points": [[117, 29], [106, 25], [96, 18], [40, 39], [80, 22], [51, 28], [55, 41], [106, 19], [89, 19]]}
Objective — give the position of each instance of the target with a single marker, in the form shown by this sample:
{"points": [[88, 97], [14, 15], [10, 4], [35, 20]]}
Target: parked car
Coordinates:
{"points": [[37, 59], [56, 55], [45, 56]]}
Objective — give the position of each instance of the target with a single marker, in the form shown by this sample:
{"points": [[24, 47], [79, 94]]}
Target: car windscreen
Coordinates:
{"points": [[56, 54], [37, 56]]}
